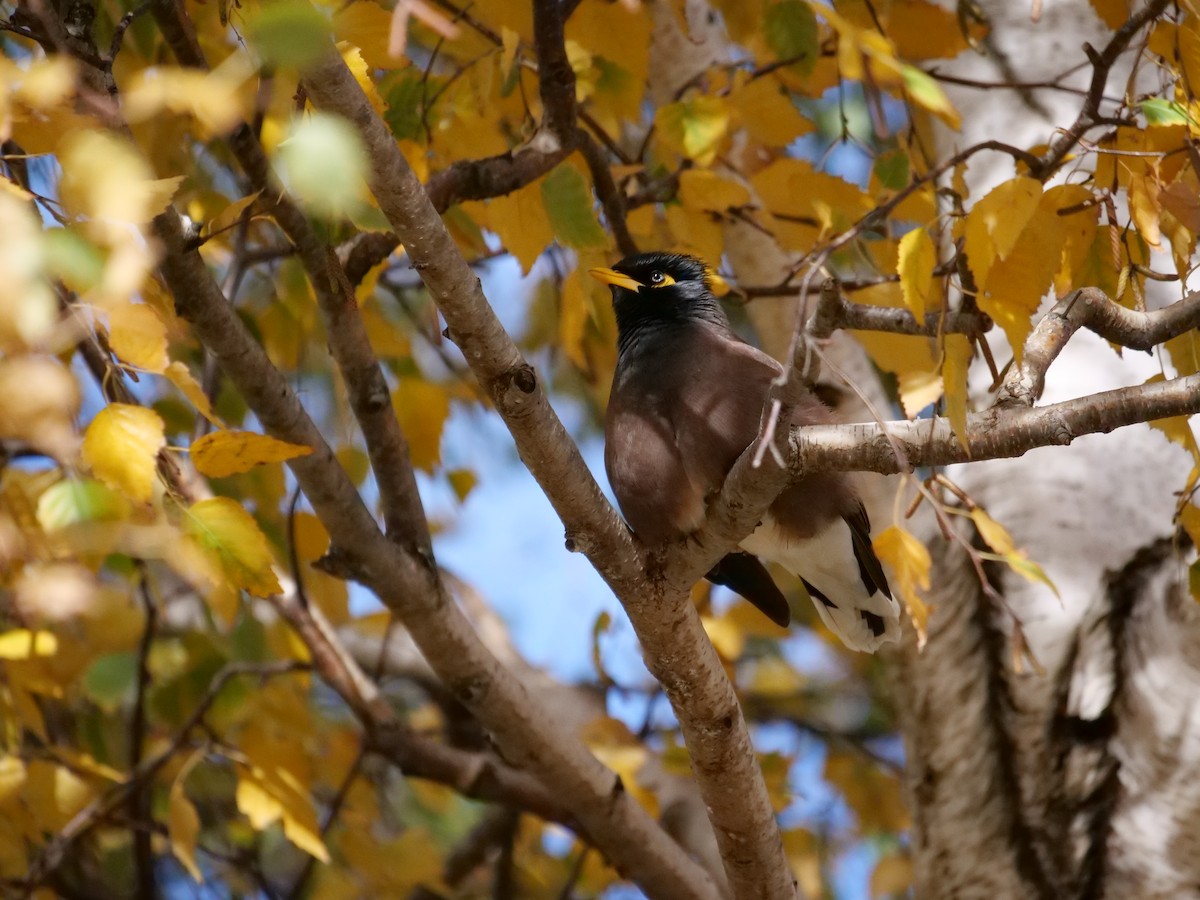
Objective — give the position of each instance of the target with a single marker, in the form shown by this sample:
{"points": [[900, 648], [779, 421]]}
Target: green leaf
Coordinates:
{"points": [[1160, 111], [568, 200], [324, 163], [405, 93], [76, 500], [892, 170], [110, 680], [289, 33], [791, 30]]}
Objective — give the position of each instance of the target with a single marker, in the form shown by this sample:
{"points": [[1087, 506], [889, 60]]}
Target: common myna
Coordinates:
{"points": [[687, 399]]}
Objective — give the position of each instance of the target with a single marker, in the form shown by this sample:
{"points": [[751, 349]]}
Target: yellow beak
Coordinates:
{"points": [[611, 276]]}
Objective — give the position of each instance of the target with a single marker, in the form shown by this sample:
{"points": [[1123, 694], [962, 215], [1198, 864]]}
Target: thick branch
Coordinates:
{"points": [[676, 648], [366, 386], [1091, 308], [833, 312], [406, 584], [556, 78], [872, 447]]}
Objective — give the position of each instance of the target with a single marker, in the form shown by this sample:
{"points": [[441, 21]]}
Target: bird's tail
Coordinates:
{"points": [[842, 575]]}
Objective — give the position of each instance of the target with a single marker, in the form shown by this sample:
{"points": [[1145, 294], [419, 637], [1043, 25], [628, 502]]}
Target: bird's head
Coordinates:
{"points": [[658, 288]]}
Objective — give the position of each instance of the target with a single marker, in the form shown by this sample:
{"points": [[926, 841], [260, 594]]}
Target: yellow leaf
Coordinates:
{"points": [[694, 128], [917, 258], [138, 336], [366, 25], [121, 446], [1112, 13], [180, 376], [215, 100], [918, 390], [910, 562], [41, 400], [422, 408], [725, 636], [701, 189], [928, 93], [1029, 570], [54, 794], [1145, 207], [1015, 285], [615, 746], [767, 113], [232, 214], [21, 643], [521, 221], [695, 232], [1189, 518], [996, 221], [183, 827], [12, 779], [993, 533], [954, 381], [106, 181], [353, 58], [893, 875], [224, 453], [47, 82], [572, 321], [266, 797], [232, 538]]}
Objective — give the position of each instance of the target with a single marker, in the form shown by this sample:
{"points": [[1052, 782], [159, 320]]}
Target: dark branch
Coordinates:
{"points": [[1102, 64]]}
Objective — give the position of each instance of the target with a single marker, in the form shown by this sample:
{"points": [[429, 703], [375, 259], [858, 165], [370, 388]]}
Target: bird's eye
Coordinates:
{"points": [[657, 277]]}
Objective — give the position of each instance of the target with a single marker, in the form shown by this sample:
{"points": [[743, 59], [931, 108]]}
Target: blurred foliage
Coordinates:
{"points": [[143, 520]]}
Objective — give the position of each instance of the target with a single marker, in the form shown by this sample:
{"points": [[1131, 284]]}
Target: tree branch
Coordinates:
{"points": [[1102, 64], [1091, 308], [406, 584], [370, 399], [556, 78], [676, 648]]}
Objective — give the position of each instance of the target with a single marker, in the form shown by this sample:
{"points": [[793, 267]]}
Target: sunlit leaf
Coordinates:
{"points": [[523, 223], [180, 376], [41, 400], [229, 534], [138, 336], [21, 643], [695, 128], [121, 447], [422, 408], [954, 381], [75, 500], [224, 453], [910, 563], [917, 258], [183, 824]]}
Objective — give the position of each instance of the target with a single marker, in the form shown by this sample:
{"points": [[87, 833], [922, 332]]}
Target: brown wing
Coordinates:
{"points": [[720, 386], [652, 487]]}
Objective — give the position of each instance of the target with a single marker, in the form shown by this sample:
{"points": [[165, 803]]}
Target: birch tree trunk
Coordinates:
{"points": [[1078, 781]]}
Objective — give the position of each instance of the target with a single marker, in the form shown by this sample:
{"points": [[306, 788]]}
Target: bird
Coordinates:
{"points": [[687, 399]]}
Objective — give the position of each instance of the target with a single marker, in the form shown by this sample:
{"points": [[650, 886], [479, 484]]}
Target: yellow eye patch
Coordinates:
{"points": [[661, 279]]}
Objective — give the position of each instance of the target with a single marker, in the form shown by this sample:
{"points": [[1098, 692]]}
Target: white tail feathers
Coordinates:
{"points": [[827, 564]]}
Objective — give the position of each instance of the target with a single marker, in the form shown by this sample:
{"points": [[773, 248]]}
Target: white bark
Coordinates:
{"points": [[1079, 782]]}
